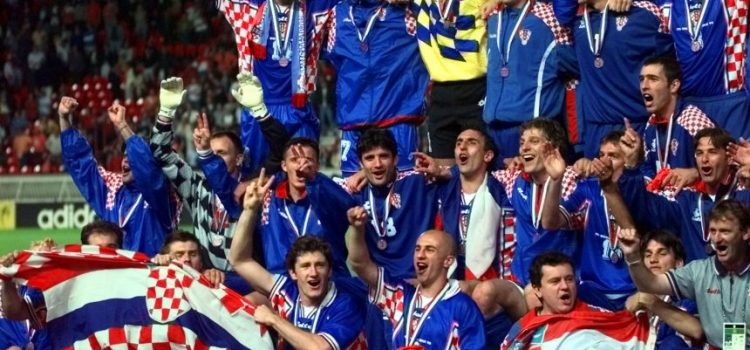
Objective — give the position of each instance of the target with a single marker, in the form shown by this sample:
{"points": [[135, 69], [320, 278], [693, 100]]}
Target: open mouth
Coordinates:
{"points": [[566, 298], [463, 158], [314, 283], [421, 267], [648, 97], [721, 249], [707, 170]]}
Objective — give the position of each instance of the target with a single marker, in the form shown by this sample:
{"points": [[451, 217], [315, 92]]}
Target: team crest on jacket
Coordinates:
{"points": [[621, 22], [525, 35], [673, 146], [395, 199]]}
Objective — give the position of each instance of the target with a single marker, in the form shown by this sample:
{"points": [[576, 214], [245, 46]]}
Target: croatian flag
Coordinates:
{"points": [[582, 328], [100, 298]]}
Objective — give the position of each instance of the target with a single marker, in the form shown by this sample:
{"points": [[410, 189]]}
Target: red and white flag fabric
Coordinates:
{"points": [[100, 298], [582, 328]]}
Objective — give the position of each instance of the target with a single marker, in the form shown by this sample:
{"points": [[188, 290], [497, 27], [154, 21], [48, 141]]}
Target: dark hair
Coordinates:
{"points": [[102, 227], [308, 244], [551, 258], [232, 136], [489, 143], [302, 141], [179, 236], [373, 138], [551, 129], [613, 137], [667, 239], [731, 208], [669, 64], [718, 137]]}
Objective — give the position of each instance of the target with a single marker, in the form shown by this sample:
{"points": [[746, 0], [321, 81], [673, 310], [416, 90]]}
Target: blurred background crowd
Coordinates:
{"points": [[100, 51]]}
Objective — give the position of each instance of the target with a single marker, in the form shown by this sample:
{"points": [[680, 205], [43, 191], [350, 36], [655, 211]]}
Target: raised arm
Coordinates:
{"points": [[644, 279], [296, 337], [552, 216], [359, 256], [67, 105], [680, 320], [241, 251]]}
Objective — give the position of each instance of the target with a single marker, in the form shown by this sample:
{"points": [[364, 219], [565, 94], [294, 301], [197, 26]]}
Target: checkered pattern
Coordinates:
{"points": [[545, 13], [358, 344], [241, 16], [195, 192], [113, 181], [330, 28], [656, 11], [165, 298], [389, 299], [569, 182], [321, 21], [693, 120], [156, 337], [736, 45], [507, 178], [507, 243]]}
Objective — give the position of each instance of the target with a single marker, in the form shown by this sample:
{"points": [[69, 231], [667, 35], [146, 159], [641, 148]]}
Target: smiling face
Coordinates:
{"points": [[712, 162], [470, 154], [532, 147], [658, 94], [729, 241], [432, 258], [557, 291], [312, 272], [379, 165]]}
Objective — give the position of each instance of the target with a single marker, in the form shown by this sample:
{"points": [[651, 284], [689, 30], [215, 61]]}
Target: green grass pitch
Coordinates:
{"points": [[20, 239]]}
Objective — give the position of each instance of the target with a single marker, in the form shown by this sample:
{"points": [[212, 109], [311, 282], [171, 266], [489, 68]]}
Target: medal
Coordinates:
{"points": [[445, 14], [217, 240], [283, 62], [281, 45], [448, 24], [598, 62], [382, 244], [505, 55], [596, 41], [613, 257], [370, 23], [696, 46], [504, 72]]}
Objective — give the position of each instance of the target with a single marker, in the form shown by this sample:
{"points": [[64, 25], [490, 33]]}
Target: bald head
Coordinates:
{"points": [[441, 239]]}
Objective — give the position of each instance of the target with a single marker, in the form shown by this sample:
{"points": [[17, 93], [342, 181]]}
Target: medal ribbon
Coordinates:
{"points": [[124, 221], [294, 225], [663, 158], [538, 206], [445, 11], [380, 225], [596, 41], [282, 47], [505, 55], [613, 239], [368, 27], [411, 335], [695, 28], [463, 229]]}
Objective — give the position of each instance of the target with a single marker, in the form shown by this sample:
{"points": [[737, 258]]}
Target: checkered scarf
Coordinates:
{"points": [[736, 45]]}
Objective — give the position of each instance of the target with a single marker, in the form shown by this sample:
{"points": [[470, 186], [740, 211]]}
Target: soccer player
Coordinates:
{"points": [[308, 310], [668, 137], [604, 278], [717, 284], [526, 74], [212, 221], [475, 211], [564, 322], [139, 199], [279, 41], [380, 77], [610, 48], [527, 189], [435, 313], [685, 212], [662, 251]]}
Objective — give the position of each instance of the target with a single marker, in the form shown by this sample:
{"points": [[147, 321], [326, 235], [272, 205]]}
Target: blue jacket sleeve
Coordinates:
{"points": [[471, 328], [565, 11], [645, 206], [331, 202], [82, 167], [221, 182], [256, 147], [150, 181]]}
